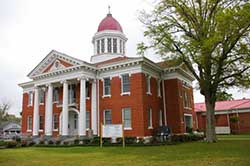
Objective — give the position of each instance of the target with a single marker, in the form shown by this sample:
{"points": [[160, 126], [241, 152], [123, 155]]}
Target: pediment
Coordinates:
{"points": [[54, 61]]}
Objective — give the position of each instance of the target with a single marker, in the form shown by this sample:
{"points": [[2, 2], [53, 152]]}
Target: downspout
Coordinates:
{"points": [[164, 103]]}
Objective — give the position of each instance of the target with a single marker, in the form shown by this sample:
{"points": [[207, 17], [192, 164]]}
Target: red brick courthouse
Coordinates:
{"points": [[68, 96]]}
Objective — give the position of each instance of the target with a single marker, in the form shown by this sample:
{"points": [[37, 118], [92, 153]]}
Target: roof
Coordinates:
{"points": [[224, 105], [109, 23], [111, 61]]}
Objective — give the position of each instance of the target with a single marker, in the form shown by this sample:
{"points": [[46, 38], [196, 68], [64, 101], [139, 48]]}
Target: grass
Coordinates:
{"points": [[234, 137], [230, 152]]}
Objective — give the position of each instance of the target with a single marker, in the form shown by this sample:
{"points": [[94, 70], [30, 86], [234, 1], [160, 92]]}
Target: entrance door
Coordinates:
{"points": [[73, 123]]}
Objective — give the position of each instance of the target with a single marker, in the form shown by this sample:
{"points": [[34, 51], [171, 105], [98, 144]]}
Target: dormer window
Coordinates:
{"points": [[57, 63], [114, 45]]}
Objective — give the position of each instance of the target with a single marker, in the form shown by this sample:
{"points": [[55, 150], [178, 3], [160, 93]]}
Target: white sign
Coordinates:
{"points": [[112, 130]]}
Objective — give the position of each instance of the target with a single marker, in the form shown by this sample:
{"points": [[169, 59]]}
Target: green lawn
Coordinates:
{"points": [[227, 153], [234, 137]]}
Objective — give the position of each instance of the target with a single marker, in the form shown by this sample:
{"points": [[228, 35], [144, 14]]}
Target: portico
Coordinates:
{"points": [[72, 110]]}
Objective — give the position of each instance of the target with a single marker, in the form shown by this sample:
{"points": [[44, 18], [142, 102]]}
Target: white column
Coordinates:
{"points": [[36, 113], [93, 108], [82, 114], [49, 111], [65, 112]]}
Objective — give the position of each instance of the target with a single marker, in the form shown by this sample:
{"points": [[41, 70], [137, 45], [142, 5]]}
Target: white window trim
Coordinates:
{"points": [[127, 128], [31, 101], [88, 128], [160, 118], [103, 94], [125, 93], [28, 129], [148, 83], [159, 88], [53, 121], [151, 119], [104, 117]]}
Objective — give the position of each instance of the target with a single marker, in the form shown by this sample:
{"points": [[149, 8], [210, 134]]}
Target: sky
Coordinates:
{"points": [[30, 29]]}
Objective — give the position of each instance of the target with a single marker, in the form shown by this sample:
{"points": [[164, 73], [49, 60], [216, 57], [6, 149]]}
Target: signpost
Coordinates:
{"points": [[112, 131]]}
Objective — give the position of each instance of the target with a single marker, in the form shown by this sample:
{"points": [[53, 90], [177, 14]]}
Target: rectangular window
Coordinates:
{"points": [[87, 120], [106, 86], [56, 94], [41, 122], [159, 88], [75, 121], [103, 45], [160, 118], [29, 122], [109, 45], [87, 89], [72, 93], [114, 45], [55, 122], [150, 119], [125, 83], [107, 117], [186, 102], [98, 46], [126, 116], [148, 84], [41, 96], [188, 121], [30, 98], [120, 46]]}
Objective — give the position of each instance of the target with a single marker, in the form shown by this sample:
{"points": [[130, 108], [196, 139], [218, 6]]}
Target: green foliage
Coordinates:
{"points": [[210, 37], [234, 119], [223, 96]]}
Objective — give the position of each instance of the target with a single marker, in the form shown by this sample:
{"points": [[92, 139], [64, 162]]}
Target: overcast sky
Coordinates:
{"points": [[30, 29]]}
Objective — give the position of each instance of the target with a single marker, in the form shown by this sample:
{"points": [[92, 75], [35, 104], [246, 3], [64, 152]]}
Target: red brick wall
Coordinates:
{"points": [[151, 101], [117, 102], [174, 91]]}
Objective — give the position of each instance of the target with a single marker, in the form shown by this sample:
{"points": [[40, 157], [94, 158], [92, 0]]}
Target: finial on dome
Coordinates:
{"points": [[109, 14]]}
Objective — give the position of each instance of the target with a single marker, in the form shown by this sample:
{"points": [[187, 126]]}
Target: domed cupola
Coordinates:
{"points": [[109, 41]]}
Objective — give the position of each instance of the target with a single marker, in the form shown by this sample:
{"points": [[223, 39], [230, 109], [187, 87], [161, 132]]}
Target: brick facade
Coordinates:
{"points": [[139, 101]]}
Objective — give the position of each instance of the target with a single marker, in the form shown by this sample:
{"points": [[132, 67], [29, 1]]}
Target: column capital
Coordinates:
{"points": [[48, 84], [82, 78], [63, 81], [93, 80]]}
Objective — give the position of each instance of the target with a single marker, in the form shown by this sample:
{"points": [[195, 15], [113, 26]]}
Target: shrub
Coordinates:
{"points": [[11, 144], [23, 143], [50, 142], [130, 140], [58, 142], [41, 142], [31, 143], [106, 141], [76, 141], [186, 137], [189, 130], [3, 143], [95, 140], [86, 141]]}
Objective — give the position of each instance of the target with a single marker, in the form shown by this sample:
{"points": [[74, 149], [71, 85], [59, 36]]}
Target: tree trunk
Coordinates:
{"points": [[210, 120]]}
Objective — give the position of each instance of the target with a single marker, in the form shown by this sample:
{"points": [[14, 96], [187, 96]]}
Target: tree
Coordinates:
{"points": [[4, 116], [4, 107], [223, 95], [211, 37]]}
